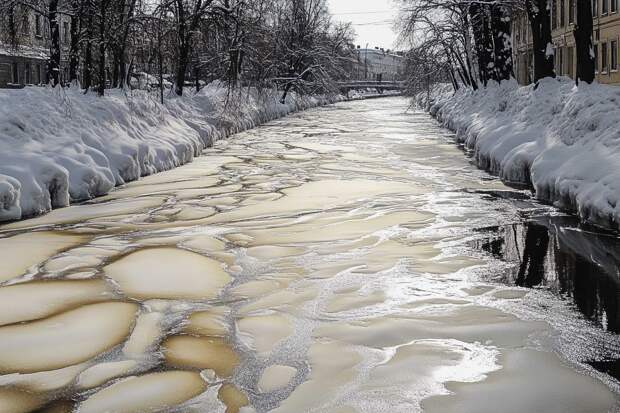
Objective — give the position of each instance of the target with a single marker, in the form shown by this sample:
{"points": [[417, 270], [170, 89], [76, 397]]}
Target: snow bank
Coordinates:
{"points": [[60, 145], [562, 140]]}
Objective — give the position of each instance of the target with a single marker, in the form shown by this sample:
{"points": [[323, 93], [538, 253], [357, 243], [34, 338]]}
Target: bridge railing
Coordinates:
{"points": [[347, 84], [360, 84]]}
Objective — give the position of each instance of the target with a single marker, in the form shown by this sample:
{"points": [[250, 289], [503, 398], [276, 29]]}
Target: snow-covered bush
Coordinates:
{"points": [[562, 140]]}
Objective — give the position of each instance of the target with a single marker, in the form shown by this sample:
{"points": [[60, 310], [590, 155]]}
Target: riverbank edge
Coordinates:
{"points": [[38, 173], [552, 139]]}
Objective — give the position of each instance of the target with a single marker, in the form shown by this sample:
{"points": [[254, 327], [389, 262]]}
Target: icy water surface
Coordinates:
{"points": [[345, 259]]}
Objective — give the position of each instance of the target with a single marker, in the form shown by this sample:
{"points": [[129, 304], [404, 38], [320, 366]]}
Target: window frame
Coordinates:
{"points": [[38, 29]]}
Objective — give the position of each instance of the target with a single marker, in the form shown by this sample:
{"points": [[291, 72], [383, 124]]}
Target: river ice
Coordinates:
{"points": [[320, 263]]}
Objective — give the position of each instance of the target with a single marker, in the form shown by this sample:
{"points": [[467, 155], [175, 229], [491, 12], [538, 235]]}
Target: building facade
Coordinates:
{"points": [[25, 62], [377, 65], [606, 35]]}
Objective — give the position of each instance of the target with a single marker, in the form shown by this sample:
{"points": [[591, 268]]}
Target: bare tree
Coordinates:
{"points": [[540, 21], [583, 42]]}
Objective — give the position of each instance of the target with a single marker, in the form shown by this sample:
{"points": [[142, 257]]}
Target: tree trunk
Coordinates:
{"points": [[583, 42], [183, 49], [127, 12], [482, 40], [460, 73], [181, 67], [455, 84], [54, 62], [452, 68], [502, 45], [233, 69], [197, 76], [538, 15], [303, 76], [465, 71], [116, 73], [160, 63], [87, 68], [76, 24], [102, 49], [87, 79], [467, 51]]}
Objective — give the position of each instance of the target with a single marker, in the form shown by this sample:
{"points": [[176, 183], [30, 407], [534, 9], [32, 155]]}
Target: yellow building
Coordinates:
{"points": [[606, 35]]}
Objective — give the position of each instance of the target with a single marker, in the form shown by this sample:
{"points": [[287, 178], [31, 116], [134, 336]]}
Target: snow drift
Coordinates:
{"points": [[60, 145], [559, 139]]}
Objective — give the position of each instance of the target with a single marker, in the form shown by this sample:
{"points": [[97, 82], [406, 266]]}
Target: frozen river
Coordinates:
{"points": [[347, 259]]}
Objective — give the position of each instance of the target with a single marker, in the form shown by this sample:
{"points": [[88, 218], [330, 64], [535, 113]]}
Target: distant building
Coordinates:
{"points": [[377, 65], [26, 62], [606, 36]]}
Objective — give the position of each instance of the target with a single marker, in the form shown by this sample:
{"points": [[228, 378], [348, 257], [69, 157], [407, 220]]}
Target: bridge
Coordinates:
{"points": [[346, 86], [371, 84]]}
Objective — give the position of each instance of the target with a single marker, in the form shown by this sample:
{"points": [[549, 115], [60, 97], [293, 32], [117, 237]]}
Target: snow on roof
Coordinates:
{"points": [[24, 51]]}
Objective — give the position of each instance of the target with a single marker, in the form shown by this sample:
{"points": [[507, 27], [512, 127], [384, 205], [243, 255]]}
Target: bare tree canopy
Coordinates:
{"points": [[468, 42], [177, 44]]}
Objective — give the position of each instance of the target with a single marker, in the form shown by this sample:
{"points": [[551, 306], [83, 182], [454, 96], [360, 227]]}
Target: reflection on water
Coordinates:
{"points": [[573, 263]]}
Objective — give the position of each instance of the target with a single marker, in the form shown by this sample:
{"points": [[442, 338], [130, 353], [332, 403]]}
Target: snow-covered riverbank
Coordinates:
{"points": [[561, 140], [59, 146]]}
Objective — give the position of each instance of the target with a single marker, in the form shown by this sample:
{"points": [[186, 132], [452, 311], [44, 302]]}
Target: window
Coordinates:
{"points": [[562, 12], [614, 6], [25, 25], [614, 55], [604, 7], [37, 25], [27, 73], [36, 75], [569, 61], [595, 49], [571, 11], [594, 8], [554, 14], [604, 57], [65, 32], [560, 61], [5, 73]]}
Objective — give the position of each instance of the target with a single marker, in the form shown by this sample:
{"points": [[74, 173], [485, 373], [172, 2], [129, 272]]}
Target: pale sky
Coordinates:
{"points": [[372, 20]]}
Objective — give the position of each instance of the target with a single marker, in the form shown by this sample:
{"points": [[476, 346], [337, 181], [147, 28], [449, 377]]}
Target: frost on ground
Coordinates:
{"points": [[562, 140], [60, 145]]}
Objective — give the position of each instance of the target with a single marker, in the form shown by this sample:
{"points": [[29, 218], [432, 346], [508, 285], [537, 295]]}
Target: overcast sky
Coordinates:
{"points": [[372, 20]]}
